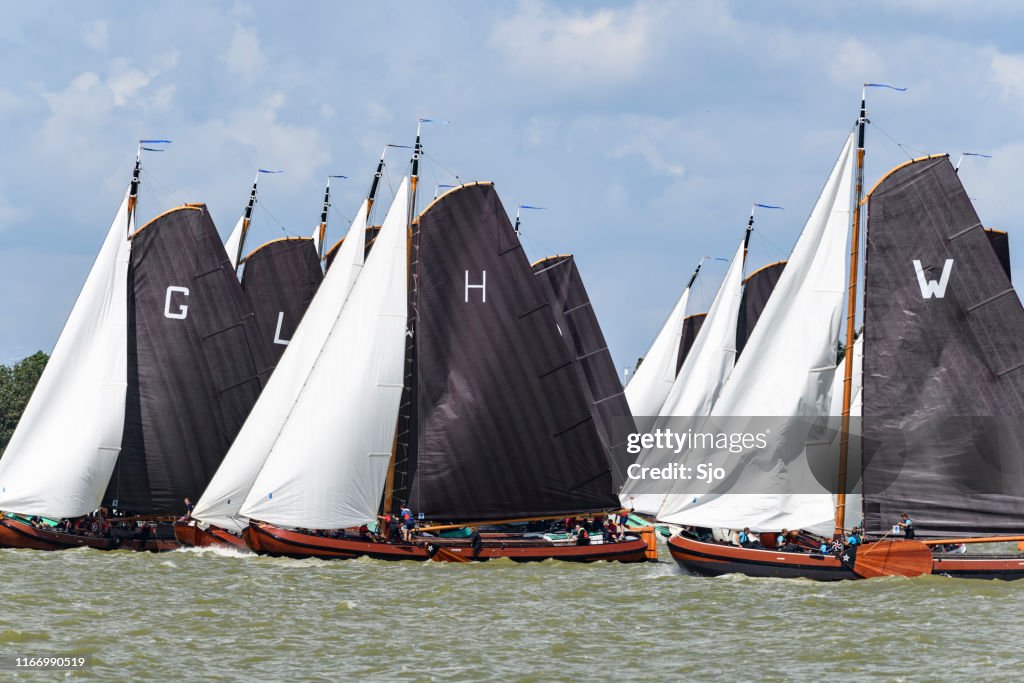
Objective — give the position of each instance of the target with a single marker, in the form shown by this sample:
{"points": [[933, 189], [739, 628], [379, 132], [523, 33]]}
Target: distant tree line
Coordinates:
{"points": [[16, 385]]}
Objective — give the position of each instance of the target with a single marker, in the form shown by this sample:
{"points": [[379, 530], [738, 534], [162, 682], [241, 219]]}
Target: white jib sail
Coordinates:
{"points": [[327, 468], [61, 455], [222, 500], [652, 382], [231, 245], [700, 380], [316, 238], [786, 370]]}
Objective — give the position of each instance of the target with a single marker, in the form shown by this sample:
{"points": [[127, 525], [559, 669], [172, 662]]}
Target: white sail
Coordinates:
{"points": [[222, 500], [231, 245], [326, 470], [700, 379], [652, 382], [786, 370], [316, 237], [63, 451]]}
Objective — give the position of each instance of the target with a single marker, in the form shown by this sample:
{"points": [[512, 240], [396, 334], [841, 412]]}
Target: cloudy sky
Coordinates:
{"points": [[648, 128]]}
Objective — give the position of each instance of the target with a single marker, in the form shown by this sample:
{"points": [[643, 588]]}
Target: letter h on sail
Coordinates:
{"points": [[482, 286], [931, 288]]}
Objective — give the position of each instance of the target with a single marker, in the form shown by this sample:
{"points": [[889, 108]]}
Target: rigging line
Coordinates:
{"points": [[898, 143], [273, 218], [447, 170], [780, 253], [148, 175], [546, 248]]}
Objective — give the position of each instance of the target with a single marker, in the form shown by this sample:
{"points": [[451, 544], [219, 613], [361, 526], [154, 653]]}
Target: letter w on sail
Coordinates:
{"points": [[931, 288]]}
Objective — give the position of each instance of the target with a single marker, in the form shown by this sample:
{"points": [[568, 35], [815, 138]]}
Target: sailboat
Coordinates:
{"points": [[128, 416], [932, 353], [493, 422]]}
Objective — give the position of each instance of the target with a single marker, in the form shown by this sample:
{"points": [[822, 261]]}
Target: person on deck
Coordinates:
{"points": [[749, 540], [408, 524], [477, 542], [582, 535], [907, 525], [781, 539], [393, 524]]}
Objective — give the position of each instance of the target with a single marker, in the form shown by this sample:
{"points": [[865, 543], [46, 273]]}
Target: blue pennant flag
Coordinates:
{"points": [[768, 206], [154, 142], [439, 121], [884, 85], [150, 149], [527, 206], [338, 176], [977, 154], [400, 146], [264, 170]]}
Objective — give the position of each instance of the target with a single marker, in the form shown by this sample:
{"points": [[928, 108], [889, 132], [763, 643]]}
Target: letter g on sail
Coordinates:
{"points": [[182, 311], [931, 288]]}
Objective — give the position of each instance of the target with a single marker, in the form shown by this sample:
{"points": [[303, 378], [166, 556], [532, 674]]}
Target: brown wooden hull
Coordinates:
{"points": [[715, 559], [1007, 568], [267, 539], [191, 535], [18, 534]]}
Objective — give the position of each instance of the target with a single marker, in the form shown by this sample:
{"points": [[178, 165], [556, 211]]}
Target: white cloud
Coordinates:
{"points": [[95, 34], [855, 62], [1008, 75], [244, 56], [577, 48]]}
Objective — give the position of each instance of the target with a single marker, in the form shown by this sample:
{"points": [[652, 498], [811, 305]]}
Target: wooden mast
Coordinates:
{"points": [[133, 193], [851, 312], [389, 482], [246, 219]]}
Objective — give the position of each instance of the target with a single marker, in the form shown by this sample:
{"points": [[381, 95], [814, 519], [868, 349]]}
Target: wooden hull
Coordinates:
{"points": [[714, 559], [1006, 568], [17, 534], [191, 535], [266, 539]]}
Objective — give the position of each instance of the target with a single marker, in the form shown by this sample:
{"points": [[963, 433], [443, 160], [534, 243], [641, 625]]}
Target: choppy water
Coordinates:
{"points": [[217, 615]]}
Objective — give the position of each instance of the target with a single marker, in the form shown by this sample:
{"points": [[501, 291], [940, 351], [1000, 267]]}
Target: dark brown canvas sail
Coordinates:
{"points": [[371, 234], [758, 286], [502, 427], [279, 281], [943, 394], [581, 332], [1000, 241], [195, 363], [691, 328]]}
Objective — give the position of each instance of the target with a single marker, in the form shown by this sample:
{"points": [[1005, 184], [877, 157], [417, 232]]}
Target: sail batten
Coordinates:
{"points": [[194, 363], [943, 416], [502, 426]]}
